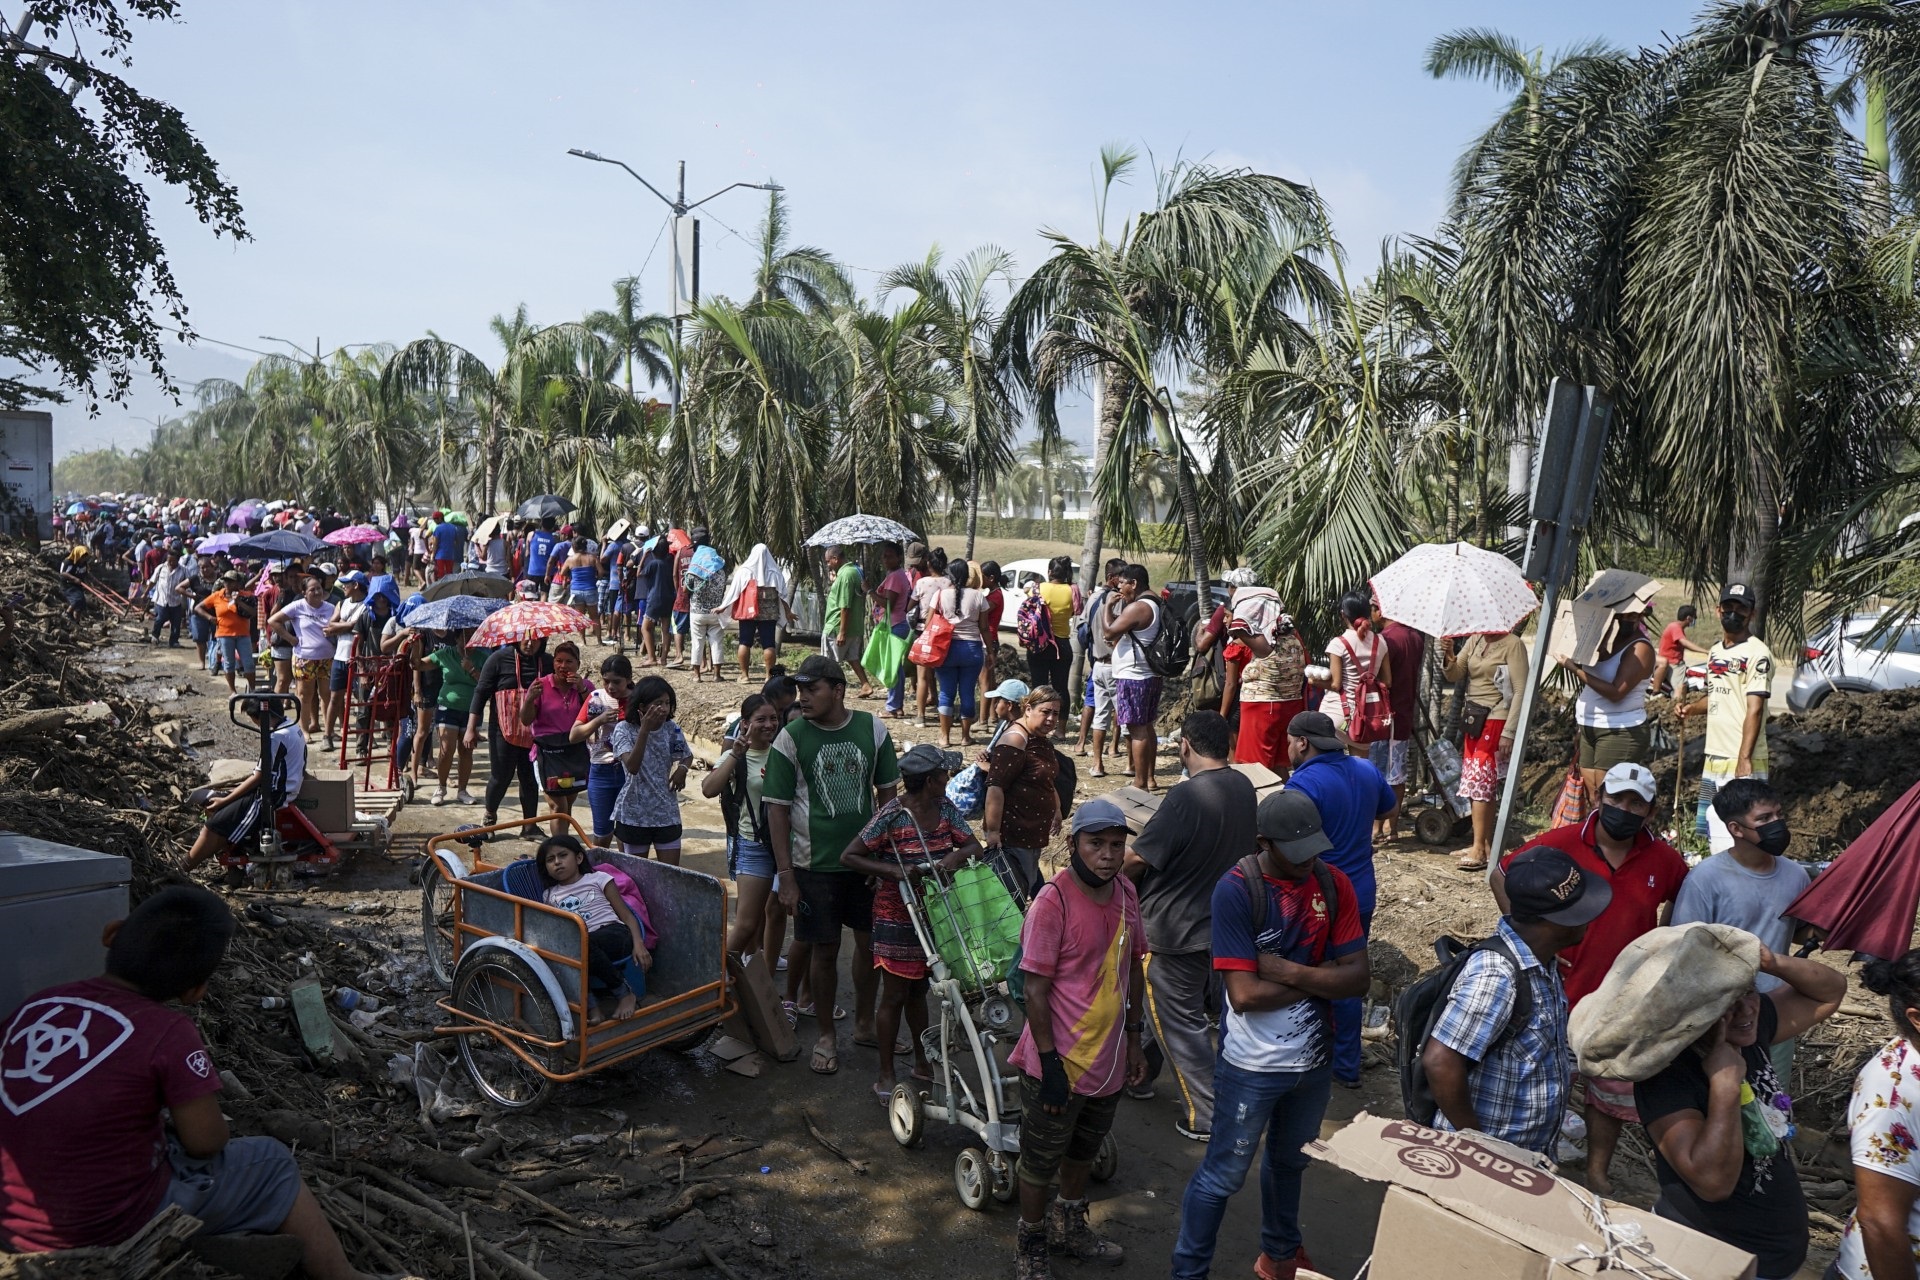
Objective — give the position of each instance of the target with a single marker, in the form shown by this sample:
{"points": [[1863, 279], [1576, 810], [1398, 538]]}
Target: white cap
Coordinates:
{"points": [[1636, 778]]}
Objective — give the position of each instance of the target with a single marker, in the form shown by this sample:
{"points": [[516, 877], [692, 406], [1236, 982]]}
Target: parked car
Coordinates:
{"points": [[1841, 658], [1020, 574]]}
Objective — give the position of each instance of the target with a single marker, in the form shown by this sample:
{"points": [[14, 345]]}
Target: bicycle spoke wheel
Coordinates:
{"points": [[499, 988], [436, 921]]}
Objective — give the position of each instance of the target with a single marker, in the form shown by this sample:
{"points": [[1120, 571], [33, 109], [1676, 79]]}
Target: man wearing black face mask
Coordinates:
{"points": [[1750, 886], [1645, 873]]}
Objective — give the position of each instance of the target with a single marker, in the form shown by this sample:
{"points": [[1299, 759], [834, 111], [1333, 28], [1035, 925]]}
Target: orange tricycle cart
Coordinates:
{"points": [[517, 973]]}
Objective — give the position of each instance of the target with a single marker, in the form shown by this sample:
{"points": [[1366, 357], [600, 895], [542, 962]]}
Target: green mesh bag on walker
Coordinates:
{"points": [[975, 925]]}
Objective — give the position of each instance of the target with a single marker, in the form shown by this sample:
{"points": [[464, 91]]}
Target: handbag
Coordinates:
{"points": [[561, 763], [1475, 719], [1571, 808], [930, 647], [884, 653], [506, 717]]}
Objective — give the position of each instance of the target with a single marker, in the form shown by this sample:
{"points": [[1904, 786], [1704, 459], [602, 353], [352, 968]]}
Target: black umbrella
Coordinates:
{"points": [[279, 544], [547, 504], [471, 583]]}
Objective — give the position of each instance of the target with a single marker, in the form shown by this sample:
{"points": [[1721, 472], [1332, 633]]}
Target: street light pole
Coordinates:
{"points": [[680, 209]]}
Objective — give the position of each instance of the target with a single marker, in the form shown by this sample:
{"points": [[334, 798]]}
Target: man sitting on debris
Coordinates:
{"points": [[237, 817], [86, 1070], [1510, 1082]]}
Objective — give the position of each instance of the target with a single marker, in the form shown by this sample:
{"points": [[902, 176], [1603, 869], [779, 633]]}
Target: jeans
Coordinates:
{"points": [[603, 789], [169, 615], [1348, 1014], [1288, 1106], [959, 678], [607, 946], [897, 695]]}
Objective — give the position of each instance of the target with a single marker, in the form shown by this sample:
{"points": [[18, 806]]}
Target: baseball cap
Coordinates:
{"points": [[1738, 593], [1317, 728], [927, 758], [916, 553], [527, 589], [1098, 815], [1625, 777], [1546, 884], [233, 575], [819, 667], [1010, 691], [352, 576], [1292, 821]]}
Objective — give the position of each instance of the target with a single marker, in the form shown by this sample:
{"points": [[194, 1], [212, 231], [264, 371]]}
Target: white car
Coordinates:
{"points": [[1019, 575], [1841, 659]]}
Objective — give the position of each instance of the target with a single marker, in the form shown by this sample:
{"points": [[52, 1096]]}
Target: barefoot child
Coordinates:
{"points": [[613, 932]]}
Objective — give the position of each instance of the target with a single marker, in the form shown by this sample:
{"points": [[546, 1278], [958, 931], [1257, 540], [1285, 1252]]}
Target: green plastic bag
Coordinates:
{"points": [[885, 652], [975, 925]]}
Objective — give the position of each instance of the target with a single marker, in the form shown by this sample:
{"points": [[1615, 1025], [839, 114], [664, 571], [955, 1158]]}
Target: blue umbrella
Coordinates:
{"points": [[281, 542], [78, 508], [452, 613]]}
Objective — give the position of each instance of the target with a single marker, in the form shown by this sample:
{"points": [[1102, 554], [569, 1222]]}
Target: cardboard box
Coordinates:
{"points": [[1468, 1207], [1137, 804], [1585, 626], [326, 797], [760, 1006], [1265, 781]]}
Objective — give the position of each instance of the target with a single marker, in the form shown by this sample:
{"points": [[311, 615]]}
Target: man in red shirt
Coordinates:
{"points": [[85, 1071], [1644, 872], [1675, 645]]}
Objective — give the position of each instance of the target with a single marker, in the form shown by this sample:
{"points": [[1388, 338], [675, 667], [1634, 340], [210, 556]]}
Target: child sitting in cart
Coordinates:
{"points": [[614, 931], [907, 838]]}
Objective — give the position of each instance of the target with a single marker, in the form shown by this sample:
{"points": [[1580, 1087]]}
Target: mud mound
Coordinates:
{"points": [[1839, 767]]}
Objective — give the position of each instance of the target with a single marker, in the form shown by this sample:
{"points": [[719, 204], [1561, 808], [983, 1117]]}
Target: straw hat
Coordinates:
{"points": [[1665, 991]]}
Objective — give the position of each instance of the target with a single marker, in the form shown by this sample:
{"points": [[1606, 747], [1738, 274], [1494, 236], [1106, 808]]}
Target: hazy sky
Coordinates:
{"points": [[403, 165]]}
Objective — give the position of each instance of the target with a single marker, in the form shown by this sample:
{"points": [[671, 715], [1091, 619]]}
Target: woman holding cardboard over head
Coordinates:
{"points": [[1679, 1016]]}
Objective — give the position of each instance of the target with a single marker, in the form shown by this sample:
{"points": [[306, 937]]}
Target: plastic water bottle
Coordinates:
{"points": [[349, 999], [274, 1002]]}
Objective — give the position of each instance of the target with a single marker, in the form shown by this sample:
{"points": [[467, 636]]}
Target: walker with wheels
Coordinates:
{"points": [[980, 1016]]}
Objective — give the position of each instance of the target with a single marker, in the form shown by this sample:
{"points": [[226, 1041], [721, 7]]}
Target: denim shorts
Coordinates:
{"points": [[249, 1186], [337, 677], [749, 858], [237, 653]]}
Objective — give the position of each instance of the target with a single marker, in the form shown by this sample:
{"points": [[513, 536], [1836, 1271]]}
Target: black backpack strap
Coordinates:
{"points": [[1256, 892]]}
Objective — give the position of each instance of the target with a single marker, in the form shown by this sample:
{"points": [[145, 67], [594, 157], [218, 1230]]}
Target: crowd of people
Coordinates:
{"points": [[1223, 940]]}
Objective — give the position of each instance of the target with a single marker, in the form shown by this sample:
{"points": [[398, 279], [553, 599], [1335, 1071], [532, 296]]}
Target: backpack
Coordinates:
{"points": [[705, 589], [1170, 652], [1257, 891], [1418, 1010], [1370, 716], [1033, 625]]}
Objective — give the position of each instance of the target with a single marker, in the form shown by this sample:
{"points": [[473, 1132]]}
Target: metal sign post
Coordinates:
{"points": [[1573, 440]]}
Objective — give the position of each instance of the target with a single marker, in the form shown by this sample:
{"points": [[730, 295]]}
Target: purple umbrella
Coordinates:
{"points": [[353, 535], [243, 515], [218, 542]]}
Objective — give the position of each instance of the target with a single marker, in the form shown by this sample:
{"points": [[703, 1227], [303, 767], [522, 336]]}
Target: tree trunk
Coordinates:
{"points": [[973, 510], [1750, 547], [1187, 498], [1878, 204], [1108, 402], [490, 461]]}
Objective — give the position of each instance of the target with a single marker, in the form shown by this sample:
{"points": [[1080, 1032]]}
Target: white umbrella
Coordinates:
{"points": [[862, 528], [1454, 589]]}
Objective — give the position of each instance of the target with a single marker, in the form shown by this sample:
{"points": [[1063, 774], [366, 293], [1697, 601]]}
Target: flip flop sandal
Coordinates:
{"points": [[806, 1011], [832, 1061], [883, 1093], [1470, 866]]}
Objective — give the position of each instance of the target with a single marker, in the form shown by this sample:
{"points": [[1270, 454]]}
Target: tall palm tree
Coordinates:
{"points": [[799, 275], [1131, 311], [634, 336], [959, 322]]}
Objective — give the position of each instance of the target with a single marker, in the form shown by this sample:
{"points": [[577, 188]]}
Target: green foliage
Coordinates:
{"points": [[97, 471], [85, 290]]}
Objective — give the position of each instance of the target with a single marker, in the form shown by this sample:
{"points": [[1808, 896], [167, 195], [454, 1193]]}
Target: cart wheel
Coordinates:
{"points": [[972, 1177], [907, 1116], [1106, 1161], [1433, 825], [498, 987], [1001, 1166], [689, 1042], [436, 921]]}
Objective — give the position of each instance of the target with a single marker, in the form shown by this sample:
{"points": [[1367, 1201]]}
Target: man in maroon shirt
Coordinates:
{"points": [[85, 1071], [1406, 658], [1644, 872]]}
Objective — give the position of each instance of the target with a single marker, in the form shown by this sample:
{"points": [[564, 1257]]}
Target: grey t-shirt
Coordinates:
{"points": [[1721, 891], [1201, 829], [1101, 646]]}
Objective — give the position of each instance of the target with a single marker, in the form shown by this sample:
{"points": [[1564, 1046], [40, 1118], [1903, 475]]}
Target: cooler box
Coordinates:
{"points": [[54, 901]]}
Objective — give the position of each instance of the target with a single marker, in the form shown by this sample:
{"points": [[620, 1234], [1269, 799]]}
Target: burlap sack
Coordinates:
{"points": [[1663, 993]]}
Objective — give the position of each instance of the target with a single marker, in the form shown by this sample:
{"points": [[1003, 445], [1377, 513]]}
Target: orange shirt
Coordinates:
{"points": [[228, 619]]}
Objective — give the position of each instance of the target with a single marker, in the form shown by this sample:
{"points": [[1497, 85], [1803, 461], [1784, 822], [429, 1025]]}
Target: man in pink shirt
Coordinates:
{"points": [[1080, 953]]}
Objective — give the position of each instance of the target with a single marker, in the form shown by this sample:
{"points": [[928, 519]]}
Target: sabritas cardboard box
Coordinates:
{"points": [[1467, 1207]]}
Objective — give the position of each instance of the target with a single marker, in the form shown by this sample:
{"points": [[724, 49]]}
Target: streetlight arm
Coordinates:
{"points": [[757, 186], [588, 155]]}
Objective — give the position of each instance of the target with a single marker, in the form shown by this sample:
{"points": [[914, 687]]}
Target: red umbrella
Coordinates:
{"points": [[1867, 898], [526, 621]]}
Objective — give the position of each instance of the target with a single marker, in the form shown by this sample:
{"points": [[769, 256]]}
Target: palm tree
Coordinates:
{"points": [[634, 336], [959, 323], [801, 276], [1131, 313]]}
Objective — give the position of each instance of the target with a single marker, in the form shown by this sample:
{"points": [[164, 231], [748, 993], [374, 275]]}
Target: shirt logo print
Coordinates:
{"points": [[840, 778], [47, 1050]]}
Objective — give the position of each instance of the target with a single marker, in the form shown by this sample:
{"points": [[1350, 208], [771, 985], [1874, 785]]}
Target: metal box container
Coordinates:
{"points": [[54, 902]]}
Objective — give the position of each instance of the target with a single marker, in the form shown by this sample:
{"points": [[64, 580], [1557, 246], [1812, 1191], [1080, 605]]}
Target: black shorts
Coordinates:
{"points": [[337, 677], [450, 717], [829, 902], [629, 834], [241, 821], [758, 633]]}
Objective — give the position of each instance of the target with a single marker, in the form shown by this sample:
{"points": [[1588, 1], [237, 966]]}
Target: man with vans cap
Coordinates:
{"points": [[1510, 1081], [1645, 873], [1287, 947]]}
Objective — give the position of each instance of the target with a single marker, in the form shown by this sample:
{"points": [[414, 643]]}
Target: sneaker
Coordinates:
{"points": [[466, 797], [1142, 1092], [439, 796], [1069, 1233], [1033, 1260], [1185, 1130], [1265, 1268]]}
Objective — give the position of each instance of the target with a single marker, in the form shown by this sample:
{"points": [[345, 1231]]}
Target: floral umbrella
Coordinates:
{"points": [[453, 613], [525, 621], [862, 528], [1454, 589], [354, 535]]}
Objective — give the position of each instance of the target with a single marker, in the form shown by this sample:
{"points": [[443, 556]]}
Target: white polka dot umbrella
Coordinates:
{"points": [[1454, 589]]}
